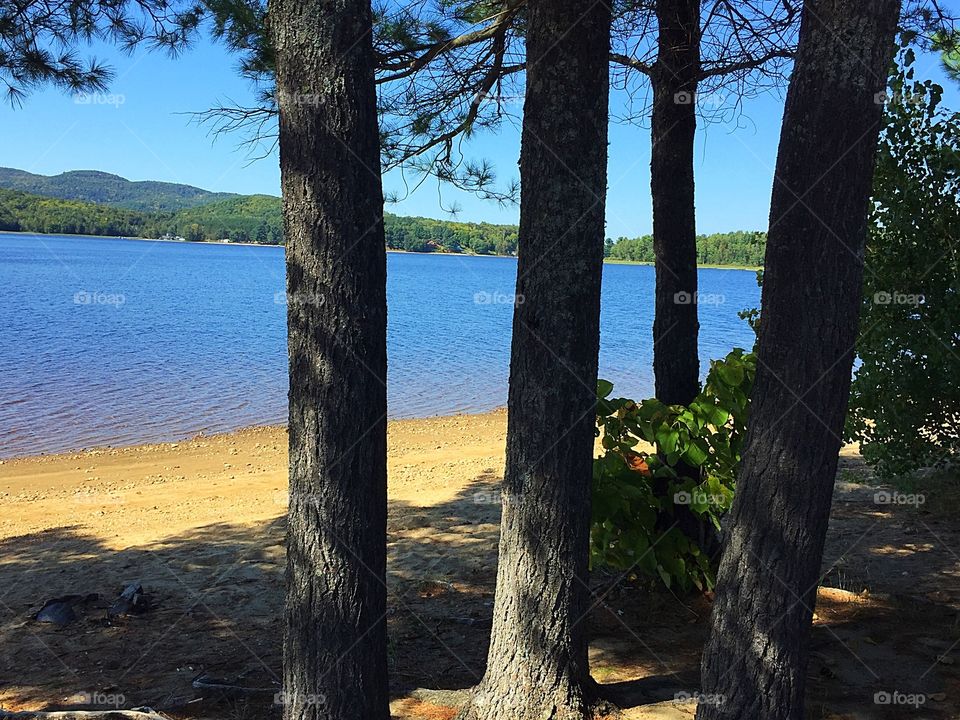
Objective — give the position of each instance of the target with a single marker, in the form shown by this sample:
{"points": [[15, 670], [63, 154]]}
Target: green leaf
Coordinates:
{"points": [[696, 453], [731, 372], [665, 576], [718, 416], [667, 440], [604, 388]]}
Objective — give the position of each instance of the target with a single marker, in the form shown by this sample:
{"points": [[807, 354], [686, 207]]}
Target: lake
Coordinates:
{"points": [[115, 342]]}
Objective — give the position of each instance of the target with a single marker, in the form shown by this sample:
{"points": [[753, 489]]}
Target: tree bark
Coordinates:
{"points": [[674, 77], [335, 647], [754, 665], [537, 663], [676, 361]]}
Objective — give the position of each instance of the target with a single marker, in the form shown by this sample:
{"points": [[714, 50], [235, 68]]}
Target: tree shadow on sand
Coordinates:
{"points": [[217, 604]]}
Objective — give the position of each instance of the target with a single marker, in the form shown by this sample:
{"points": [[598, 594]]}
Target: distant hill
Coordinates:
{"points": [[106, 189]]}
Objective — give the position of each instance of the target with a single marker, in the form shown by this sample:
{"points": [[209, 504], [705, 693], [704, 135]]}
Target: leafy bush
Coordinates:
{"points": [[905, 399], [637, 493]]}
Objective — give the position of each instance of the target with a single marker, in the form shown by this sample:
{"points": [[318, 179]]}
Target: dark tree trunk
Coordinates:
{"points": [[676, 363], [335, 647], [537, 663], [754, 665]]}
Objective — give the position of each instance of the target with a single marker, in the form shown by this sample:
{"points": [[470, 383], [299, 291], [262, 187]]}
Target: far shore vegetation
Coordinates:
{"points": [[256, 219]]}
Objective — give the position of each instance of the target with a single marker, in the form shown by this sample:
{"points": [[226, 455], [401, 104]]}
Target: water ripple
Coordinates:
{"points": [[114, 342]]}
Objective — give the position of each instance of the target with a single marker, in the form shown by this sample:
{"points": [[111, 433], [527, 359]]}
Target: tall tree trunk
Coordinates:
{"points": [[676, 363], [335, 647], [537, 664], [754, 665]]}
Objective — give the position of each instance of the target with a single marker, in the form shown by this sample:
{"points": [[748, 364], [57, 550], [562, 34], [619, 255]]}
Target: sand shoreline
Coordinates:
{"points": [[238, 475], [198, 436]]}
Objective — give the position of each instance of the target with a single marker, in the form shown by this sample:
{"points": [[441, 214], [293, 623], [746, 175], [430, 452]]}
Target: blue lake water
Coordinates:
{"points": [[113, 342]]}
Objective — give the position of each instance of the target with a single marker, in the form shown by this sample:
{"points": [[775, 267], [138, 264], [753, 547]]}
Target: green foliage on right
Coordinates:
{"points": [[948, 44], [636, 492], [905, 399]]}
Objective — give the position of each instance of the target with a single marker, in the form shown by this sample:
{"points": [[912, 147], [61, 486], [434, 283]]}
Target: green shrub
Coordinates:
{"points": [[636, 492], [905, 398]]}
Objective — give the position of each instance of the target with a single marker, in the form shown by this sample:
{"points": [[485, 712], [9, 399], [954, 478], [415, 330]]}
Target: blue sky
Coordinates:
{"points": [[148, 134]]}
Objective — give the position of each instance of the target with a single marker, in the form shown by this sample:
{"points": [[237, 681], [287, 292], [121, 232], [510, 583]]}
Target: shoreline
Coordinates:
{"points": [[704, 266], [606, 261], [130, 237], [173, 443], [224, 244], [156, 490]]}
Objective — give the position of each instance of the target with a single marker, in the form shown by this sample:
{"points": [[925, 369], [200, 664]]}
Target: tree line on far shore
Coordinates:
{"points": [[740, 248], [249, 218], [258, 219]]}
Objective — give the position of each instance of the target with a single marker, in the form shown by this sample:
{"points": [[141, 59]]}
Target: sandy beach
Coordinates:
{"points": [[200, 524], [149, 492]]}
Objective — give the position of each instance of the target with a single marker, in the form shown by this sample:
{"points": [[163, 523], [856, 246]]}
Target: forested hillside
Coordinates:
{"points": [[418, 234], [34, 213], [257, 219], [108, 189], [246, 218]]}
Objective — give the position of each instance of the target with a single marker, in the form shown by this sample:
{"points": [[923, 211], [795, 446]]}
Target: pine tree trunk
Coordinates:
{"points": [[754, 665], [676, 363], [537, 664], [335, 649]]}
